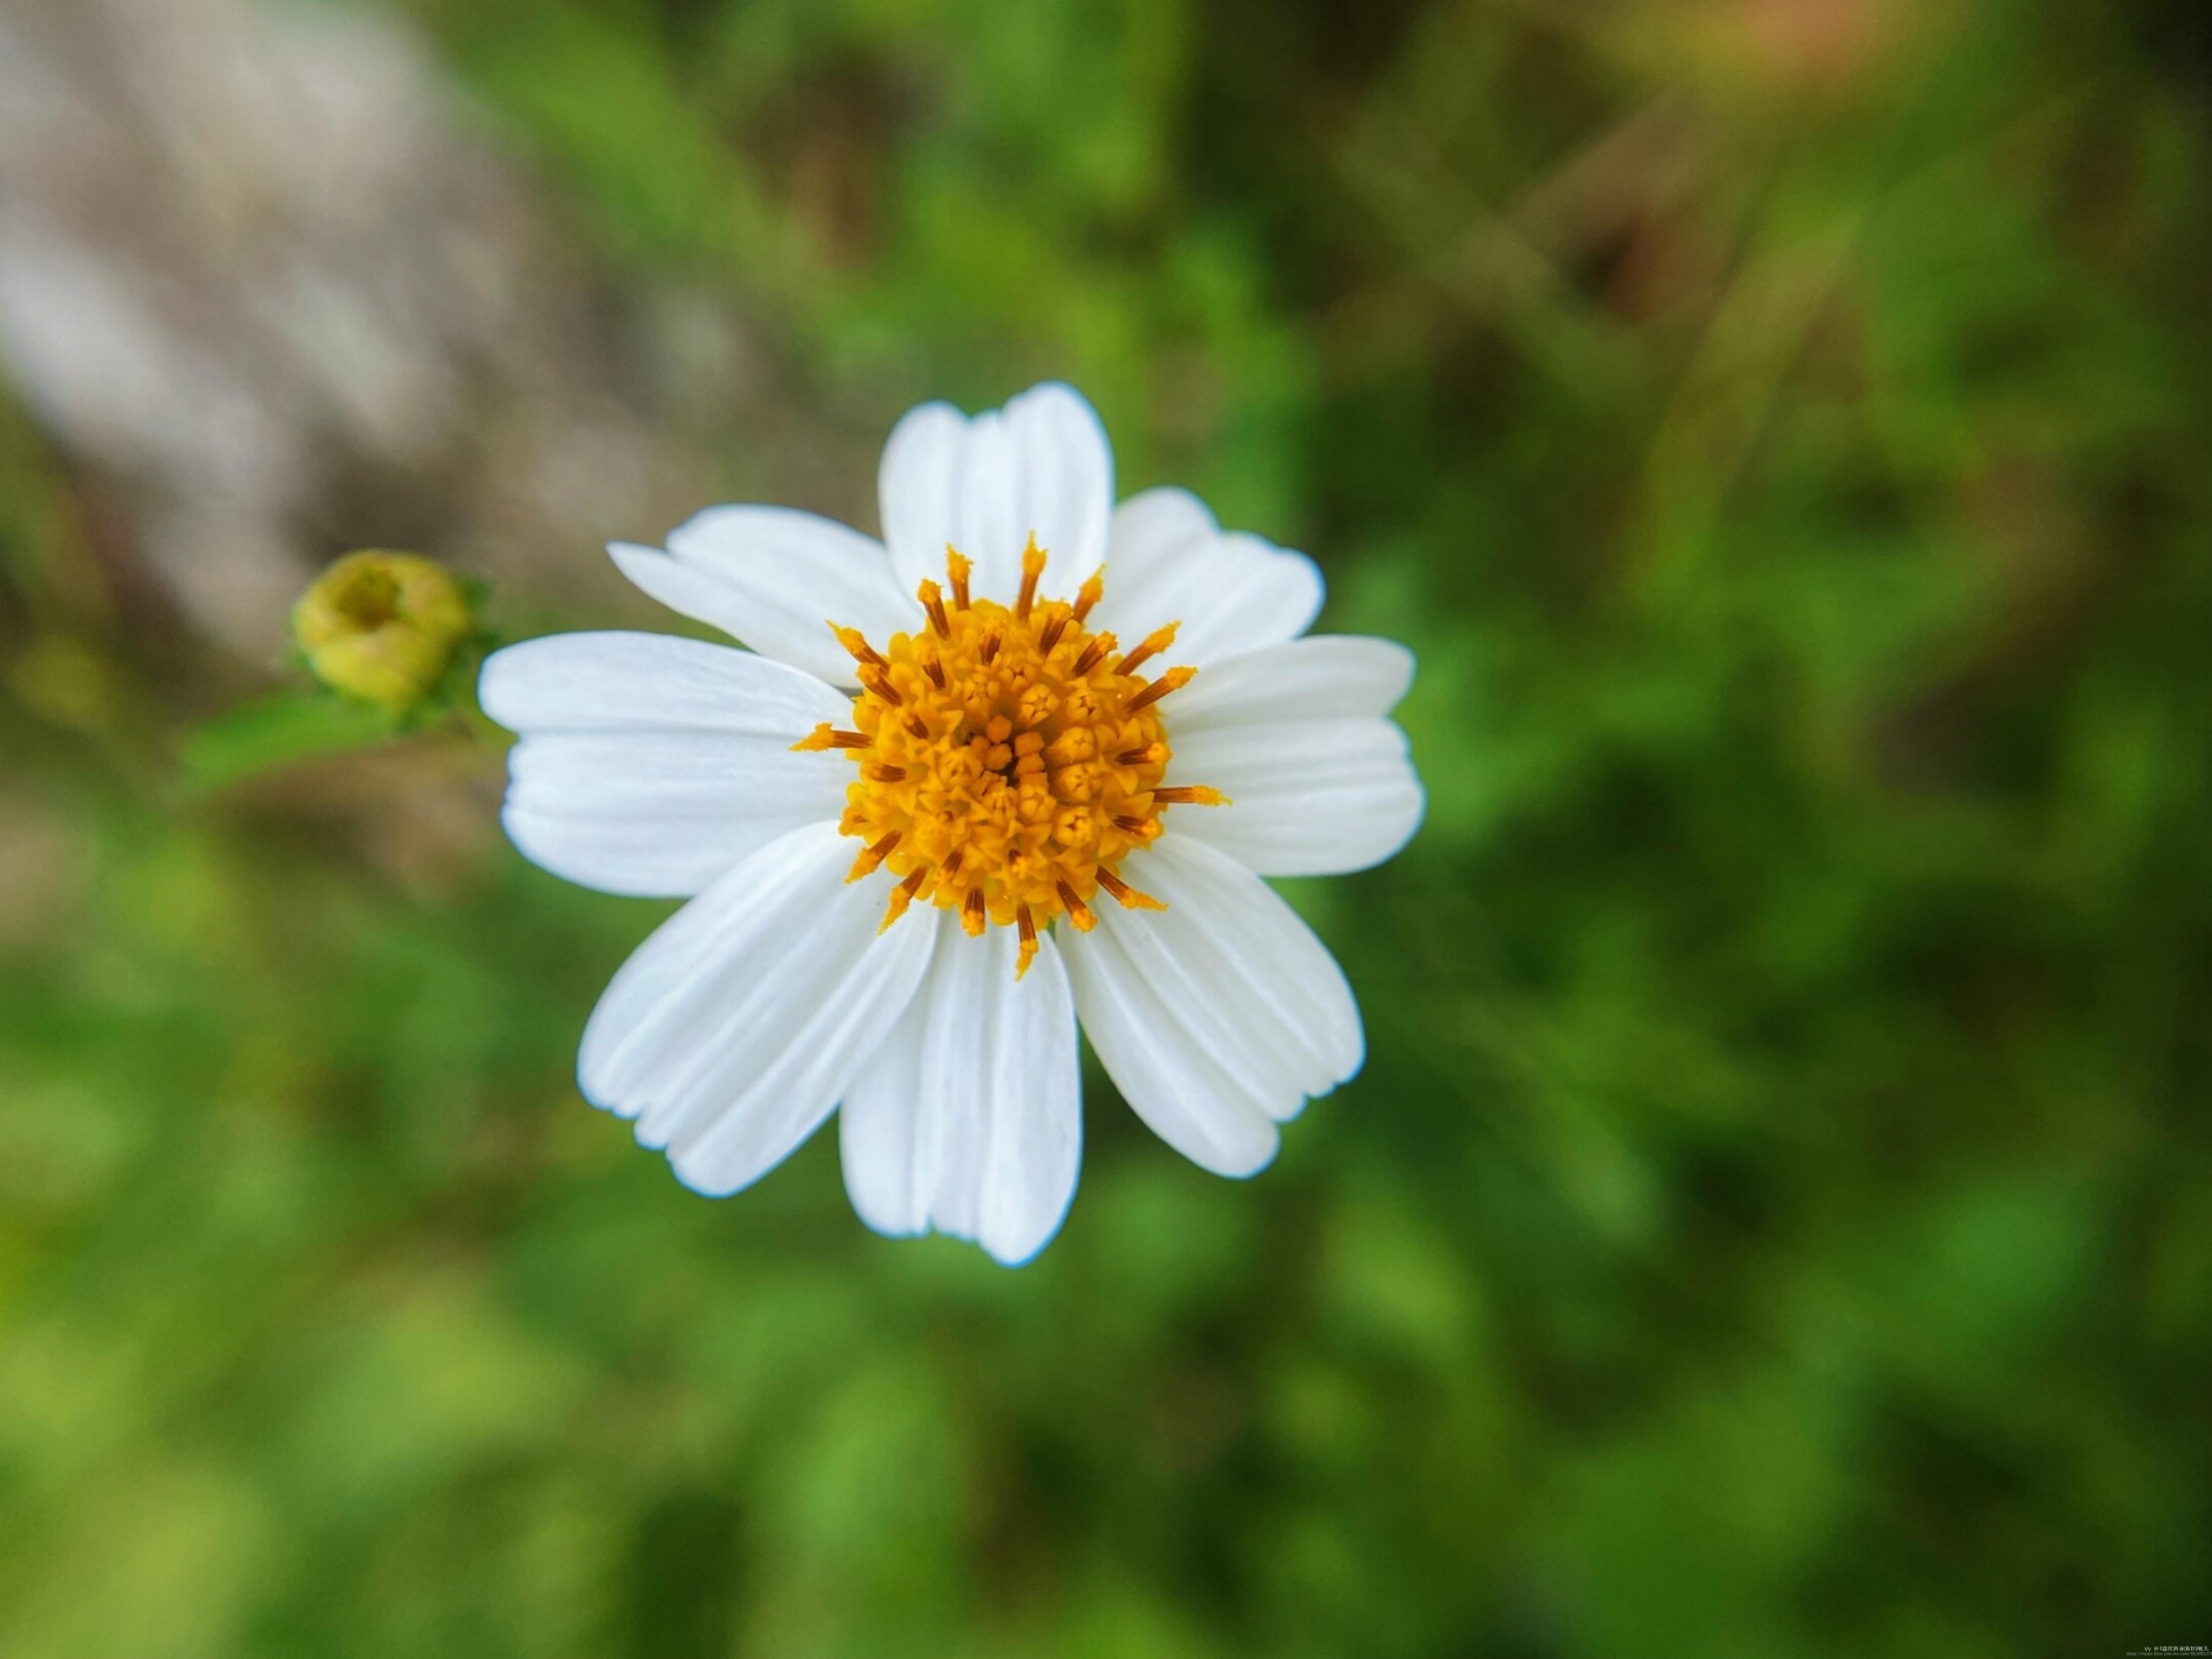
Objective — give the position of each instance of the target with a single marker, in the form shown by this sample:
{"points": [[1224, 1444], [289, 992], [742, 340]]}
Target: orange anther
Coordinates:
{"points": [[1196, 794], [856, 644], [873, 856], [1088, 595], [1153, 643], [901, 895], [932, 600], [826, 736], [1032, 568], [1173, 680], [1128, 896], [1094, 653]]}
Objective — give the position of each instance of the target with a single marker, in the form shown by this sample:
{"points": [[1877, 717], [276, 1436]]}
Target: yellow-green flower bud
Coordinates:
{"points": [[383, 626]]}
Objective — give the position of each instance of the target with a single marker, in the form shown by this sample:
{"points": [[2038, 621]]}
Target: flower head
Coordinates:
{"points": [[1027, 757], [383, 626], [1009, 759]]}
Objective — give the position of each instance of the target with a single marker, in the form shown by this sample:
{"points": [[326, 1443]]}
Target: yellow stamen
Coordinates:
{"points": [[933, 601], [1095, 652], [901, 895], [1190, 795], [872, 858], [826, 736], [1008, 762], [1088, 595], [1032, 568], [1173, 680], [856, 645], [1154, 642], [1077, 911], [1128, 896]]}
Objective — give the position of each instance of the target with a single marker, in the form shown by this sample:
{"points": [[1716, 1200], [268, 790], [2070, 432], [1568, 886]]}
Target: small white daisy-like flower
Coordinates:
{"points": [[1025, 759]]}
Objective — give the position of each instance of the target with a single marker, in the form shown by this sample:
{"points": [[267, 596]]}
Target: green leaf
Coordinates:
{"points": [[279, 731]]}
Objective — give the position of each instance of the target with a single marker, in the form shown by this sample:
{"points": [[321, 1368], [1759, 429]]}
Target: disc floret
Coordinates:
{"points": [[1009, 759]]}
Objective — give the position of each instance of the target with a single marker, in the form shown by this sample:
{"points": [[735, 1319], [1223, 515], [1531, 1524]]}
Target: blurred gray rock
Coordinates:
{"points": [[264, 276]]}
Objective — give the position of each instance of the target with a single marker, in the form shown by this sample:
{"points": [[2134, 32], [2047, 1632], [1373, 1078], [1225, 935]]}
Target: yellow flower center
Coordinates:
{"points": [[1009, 759]]}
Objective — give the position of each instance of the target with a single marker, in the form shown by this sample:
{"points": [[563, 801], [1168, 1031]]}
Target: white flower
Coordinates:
{"points": [[1073, 830]]}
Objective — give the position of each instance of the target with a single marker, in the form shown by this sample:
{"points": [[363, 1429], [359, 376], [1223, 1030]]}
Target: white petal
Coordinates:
{"points": [[660, 814], [1307, 798], [775, 579], [1326, 677], [651, 765], [1217, 1017], [984, 485], [612, 681], [1167, 1077], [1168, 561], [732, 1031], [917, 486], [968, 1119]]}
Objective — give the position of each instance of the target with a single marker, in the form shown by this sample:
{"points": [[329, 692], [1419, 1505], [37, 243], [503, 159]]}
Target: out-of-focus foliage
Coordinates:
{"points": [[1776, 1217]]}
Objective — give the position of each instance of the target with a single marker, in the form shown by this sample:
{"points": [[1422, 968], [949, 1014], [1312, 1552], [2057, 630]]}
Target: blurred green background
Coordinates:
{"points": [[1773, 1219]]}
